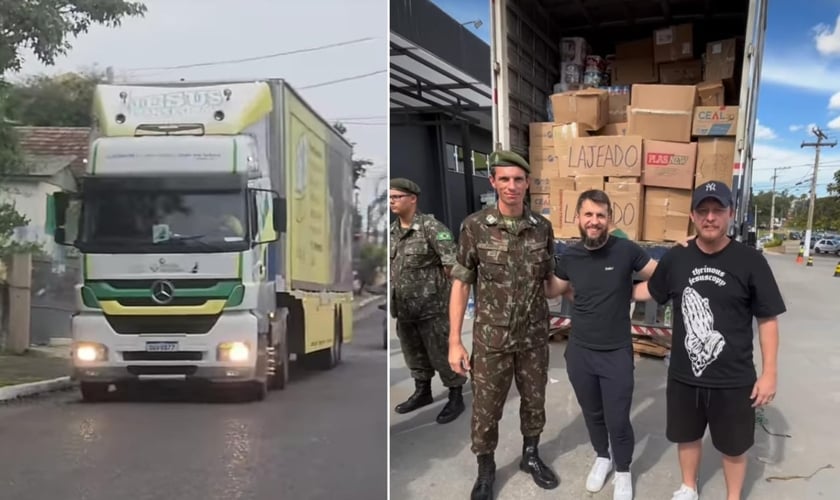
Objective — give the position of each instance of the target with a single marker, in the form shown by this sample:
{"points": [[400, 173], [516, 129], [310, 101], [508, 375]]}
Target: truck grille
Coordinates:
{"points": [[188, 325], [163, 356]]}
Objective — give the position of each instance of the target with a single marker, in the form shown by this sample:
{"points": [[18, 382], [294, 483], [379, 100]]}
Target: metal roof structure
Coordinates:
{"points": [[421, 82]]}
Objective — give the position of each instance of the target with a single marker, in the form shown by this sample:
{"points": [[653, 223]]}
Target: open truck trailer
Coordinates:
{"points": [[526, 52]]}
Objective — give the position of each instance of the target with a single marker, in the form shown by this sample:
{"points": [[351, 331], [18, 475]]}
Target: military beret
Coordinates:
{"points": [[405, 186], [508, 159]]}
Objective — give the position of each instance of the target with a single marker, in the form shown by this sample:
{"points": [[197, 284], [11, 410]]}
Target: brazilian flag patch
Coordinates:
{"points": [[444, 236]]}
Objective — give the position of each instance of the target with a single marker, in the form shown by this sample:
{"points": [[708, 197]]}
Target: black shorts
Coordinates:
{"points": [[728, 413]]}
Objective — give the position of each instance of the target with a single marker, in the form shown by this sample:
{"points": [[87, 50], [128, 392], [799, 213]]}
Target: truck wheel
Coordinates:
{"points": [[94, 392], [259, 390]]}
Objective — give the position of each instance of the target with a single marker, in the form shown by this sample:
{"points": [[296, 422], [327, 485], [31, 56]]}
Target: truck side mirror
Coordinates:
{"points": [[58, 213]]}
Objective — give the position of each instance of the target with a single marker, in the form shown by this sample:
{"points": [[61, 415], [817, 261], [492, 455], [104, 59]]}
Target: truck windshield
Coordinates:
{"points": [[170, 221]]}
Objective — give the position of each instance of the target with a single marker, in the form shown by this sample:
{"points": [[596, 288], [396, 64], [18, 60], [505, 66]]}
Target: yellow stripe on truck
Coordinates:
{"points": [[114, 308]]}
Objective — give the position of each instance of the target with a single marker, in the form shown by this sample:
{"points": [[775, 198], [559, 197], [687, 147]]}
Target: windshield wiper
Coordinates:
{"points": [[196, 238]]}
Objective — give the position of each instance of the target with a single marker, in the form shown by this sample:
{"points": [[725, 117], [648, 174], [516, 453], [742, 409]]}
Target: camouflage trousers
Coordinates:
{"points": [[425, 348], [492, 372]]}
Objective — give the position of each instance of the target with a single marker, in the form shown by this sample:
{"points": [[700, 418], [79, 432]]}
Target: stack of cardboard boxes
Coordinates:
{"points": [[648, 148]]}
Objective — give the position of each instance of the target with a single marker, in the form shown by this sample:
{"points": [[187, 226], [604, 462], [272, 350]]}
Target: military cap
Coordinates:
{"points": [[508, 159], [405, 185]]}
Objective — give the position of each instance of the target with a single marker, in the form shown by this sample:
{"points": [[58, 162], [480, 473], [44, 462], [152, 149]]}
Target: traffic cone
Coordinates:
{"points": [[810, 261], [799, 257], [837, 270]]}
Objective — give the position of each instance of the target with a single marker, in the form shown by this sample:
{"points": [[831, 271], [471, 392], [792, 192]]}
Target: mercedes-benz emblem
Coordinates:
{"points": [[163, 292]]}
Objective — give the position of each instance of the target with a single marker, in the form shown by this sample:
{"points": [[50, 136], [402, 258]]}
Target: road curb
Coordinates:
{"points": [[10, 392], [365, 301]]}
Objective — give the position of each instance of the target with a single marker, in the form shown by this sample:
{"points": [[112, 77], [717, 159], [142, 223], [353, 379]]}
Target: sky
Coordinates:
{"points": [[182, 32], [800, 88]]}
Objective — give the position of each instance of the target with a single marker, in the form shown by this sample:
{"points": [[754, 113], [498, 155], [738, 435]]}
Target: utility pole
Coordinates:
{"points": [[816, 145], [773, 198]]}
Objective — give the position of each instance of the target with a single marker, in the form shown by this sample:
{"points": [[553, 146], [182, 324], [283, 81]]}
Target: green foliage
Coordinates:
{"points": [[359, 165], [63, 100], [47, 26], [371, 260]]}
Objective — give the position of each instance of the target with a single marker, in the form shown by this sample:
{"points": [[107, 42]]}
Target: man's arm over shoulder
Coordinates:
{"points": [[656, 285], [642, 263]]}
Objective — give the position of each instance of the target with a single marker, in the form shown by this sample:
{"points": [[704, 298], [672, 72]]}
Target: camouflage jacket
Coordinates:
{"points": [[508, 263], [419, 253]]}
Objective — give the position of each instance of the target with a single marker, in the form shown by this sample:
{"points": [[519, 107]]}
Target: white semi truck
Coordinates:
{"points": [[214, 224]]}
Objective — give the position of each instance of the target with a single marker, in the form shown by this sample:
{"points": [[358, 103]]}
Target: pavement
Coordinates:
{"points": [[795, 456], [320, 438], [46, 368]]}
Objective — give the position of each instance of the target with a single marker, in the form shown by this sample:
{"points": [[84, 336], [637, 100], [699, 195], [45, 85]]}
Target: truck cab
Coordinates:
{"points": [[173, 220]]}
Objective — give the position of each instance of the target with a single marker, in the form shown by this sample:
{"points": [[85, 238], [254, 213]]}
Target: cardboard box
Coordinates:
{"points": [[666, 214], [635, 49], [549, 182], [681, 72], [721, 60], [614, 129], [630, 71], [541, 204], [628, 207], [589, 108], [618, 104], [715, 121], [674, 43], [545, 165], [574, 50], [541, 134], [587, 182], [715, 158], [662, 112], [710, 94], [569, 226], [623, 185], [600, 155], [669, 164]]}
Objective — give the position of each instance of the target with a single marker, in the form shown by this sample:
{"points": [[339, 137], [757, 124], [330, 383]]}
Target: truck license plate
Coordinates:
{"points": [[161, 346]]}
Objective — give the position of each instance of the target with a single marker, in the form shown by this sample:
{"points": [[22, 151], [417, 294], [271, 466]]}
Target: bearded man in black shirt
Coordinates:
{"points": [[717, 286], [598, 273]]}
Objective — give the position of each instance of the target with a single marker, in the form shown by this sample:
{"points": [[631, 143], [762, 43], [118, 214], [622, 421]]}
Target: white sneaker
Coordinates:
{"points": [[598, 474], [685, 493], [622, 486]]}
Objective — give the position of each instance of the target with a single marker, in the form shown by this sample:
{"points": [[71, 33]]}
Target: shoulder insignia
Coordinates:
{"points": [[444, 236], [491, 219]]}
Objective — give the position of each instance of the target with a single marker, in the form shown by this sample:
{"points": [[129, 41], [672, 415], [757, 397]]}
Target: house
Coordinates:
{"points": [[53, 157]]}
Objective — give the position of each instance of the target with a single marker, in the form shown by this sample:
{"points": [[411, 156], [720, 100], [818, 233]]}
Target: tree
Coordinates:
{"points": [[360, 165], [63, 100], [45, 27], [834, 187]]}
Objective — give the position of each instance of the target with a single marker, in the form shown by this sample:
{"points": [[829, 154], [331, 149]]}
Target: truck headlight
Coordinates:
{"points": [[234, 351], [91, 351]]}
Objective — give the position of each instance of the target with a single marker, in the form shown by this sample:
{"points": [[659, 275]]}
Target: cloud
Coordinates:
{"points": [[834, 102], [834, 124], [764, 132], [801, 72], [796, 128], [828, 40]]}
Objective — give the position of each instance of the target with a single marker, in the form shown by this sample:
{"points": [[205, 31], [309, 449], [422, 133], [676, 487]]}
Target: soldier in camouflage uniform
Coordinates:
{"points": [[506, 251], [422, 254]]}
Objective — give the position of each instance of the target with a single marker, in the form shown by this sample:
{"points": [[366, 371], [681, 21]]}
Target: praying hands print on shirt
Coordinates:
{"points": [[702, 342]]}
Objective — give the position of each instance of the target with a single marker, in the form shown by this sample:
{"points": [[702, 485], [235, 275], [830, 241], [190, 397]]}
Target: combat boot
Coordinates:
{"points": [[531, 463], [483, 487], [422, 396], [453, 407]]}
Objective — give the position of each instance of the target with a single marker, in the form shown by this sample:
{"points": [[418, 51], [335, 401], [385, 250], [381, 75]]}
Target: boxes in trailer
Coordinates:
{"points": [[666, 214], [662, 112]]}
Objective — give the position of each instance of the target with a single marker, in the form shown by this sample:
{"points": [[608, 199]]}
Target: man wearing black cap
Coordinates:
{"points": [[506, 252], [422, 252], [717, 286]]}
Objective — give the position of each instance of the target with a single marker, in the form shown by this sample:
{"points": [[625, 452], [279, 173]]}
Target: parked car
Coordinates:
{"points": [[827, 246]]}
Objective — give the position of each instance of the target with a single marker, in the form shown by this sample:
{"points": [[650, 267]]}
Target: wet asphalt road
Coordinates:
{"points": [[323, 437]]}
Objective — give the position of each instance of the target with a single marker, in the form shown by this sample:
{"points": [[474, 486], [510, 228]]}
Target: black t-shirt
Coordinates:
{"points": [[715, 297], [603, 283]]}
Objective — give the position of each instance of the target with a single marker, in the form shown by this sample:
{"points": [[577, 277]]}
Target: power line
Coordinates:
{"points": [[340, 80], [817, 147], [256, 58]]}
